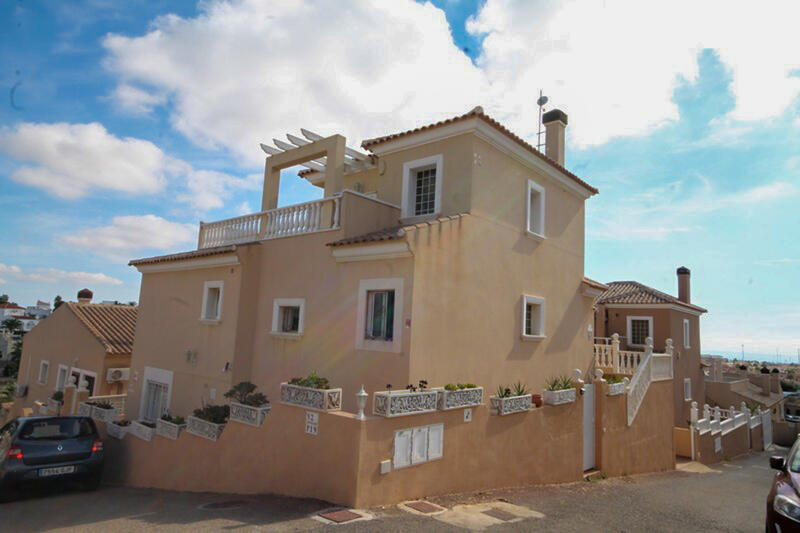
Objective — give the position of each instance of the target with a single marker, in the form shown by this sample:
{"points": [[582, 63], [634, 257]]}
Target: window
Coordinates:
{"points": [[287, 316], [687, 389], [44, 367], [380, 310], [212, 301], [422, 187], [535, 210], [686, 333], [418, 445], [61, 377], [380, 315], [639, 328], [532, 317]]}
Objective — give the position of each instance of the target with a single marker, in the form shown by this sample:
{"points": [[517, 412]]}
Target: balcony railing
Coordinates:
{"points": [[297, 219]]}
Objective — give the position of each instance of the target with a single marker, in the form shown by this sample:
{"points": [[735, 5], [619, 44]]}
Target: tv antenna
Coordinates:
{"points": [[541, 101]]}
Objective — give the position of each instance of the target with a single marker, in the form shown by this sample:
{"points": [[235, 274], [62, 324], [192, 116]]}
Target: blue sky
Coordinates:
{"points": [[121, 128]]}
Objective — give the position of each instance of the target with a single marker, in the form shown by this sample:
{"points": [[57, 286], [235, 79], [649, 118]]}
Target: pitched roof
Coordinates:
{"points": [[392, 233], [10, 306], [184, 255], [589, 282], [633, 292], [113, 325], [477, 112]]}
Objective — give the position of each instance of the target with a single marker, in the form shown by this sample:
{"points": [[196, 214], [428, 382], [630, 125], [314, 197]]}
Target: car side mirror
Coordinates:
{"points": [[778, 463]]}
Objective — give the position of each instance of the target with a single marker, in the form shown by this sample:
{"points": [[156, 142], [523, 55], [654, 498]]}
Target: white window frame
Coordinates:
{"points": [[157, 375], [212, 285], [60, 386], [421, 449], [408, 198], [378, 284], [630, 320], [277, 303], [687, 388], [536, 230], [537, 300], [686, 332], [44, 369]]}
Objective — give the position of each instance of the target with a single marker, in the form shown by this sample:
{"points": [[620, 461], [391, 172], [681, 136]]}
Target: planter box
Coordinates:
{"points": [[458, 399], [84, 409], [616, 389], [514, 404], [105, 415], [137, 429], [202, 428], [116, 431], [310, 398], [403, 403], [247, 414], [53, 405], [558, 397], [168, 430]]}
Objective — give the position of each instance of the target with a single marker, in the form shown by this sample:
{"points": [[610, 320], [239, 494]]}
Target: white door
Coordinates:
{"points": [[155, 400], [766, 428], [589, 458]]}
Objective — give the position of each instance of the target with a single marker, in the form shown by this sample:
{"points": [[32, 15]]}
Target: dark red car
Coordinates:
{"points": [[783, 502]]}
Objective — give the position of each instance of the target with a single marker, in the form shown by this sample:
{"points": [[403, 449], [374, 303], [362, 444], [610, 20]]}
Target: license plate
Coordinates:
{"points": [[56, 471]]}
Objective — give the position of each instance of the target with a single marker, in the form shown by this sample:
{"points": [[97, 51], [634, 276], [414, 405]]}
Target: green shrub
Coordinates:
{"points": [[177, 420], [559, 383], [613, 379], [151, 425], [459, 386], [58, 396], [244, 393], [216, 414], [450, 387], [312, 380]]}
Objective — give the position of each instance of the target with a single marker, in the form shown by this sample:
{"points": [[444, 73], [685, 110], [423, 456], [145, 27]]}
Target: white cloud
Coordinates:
{"points": [[244, 71], [74, 160], [136, 100], [127, 235], [779, 262], [54, 275]]}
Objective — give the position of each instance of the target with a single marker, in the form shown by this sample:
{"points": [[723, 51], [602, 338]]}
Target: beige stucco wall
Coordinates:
{"points": [[62, 339], [736, 442]]}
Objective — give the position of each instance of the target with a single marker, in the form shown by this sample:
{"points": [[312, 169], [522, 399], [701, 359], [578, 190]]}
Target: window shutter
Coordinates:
{"points": [[435, 441], [419, 445], [402, 448]]}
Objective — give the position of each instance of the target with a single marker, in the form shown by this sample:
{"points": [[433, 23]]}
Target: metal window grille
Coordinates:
{"points": [[380, 315], [640, 330], [425, 192]]}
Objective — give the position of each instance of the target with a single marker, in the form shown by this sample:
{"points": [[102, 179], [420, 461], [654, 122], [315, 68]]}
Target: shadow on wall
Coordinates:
{"points": [[785, 433]]}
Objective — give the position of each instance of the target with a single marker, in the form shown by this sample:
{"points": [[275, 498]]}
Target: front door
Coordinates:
{"points": [[155, 400], [589, 458]]}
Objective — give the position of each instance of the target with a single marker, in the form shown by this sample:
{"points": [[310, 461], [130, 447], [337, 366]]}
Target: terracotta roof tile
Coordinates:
{"points": [[113, 325], [394, 232], [477, 112], [633, 292], [184, 255]]}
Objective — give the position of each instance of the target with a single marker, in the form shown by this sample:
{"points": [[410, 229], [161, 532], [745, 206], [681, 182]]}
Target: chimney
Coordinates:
{"points": [[85, 296], [555, 122], [684, 286]]}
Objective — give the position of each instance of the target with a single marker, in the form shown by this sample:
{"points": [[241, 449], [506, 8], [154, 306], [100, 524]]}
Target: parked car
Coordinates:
{"points": [[783, 501], [37, 450]]}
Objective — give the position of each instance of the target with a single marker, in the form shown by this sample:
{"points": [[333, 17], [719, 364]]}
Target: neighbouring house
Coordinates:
{"points": [[633, 311], [728, 385], [11, 310], [80, 343]]}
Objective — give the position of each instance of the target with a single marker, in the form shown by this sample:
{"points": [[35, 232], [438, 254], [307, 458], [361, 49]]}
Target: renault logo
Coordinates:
{"points": [[60, 448]]}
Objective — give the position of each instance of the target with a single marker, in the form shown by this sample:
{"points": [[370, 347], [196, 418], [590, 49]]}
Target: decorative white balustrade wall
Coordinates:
{"points": [[296, 219], [117, 401], [652, 367], [611, 359], [723, 420]]}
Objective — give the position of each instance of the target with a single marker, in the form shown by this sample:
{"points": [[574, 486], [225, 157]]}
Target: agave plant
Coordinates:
{"points": [[520, 389]]}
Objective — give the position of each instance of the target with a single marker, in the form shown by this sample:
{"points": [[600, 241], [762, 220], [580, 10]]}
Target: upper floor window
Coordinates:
{"points": [[212, 301], [532, 317], [686, 333], [288, 316], [44, 368], [380, 310], [639, 328], [535, 209], [422, 187]]}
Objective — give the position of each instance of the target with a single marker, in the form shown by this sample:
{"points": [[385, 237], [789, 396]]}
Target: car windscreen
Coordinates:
{"points": [[56, 429]]}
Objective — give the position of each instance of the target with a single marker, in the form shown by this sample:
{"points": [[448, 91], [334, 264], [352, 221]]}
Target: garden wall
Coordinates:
{"points": [[736, 442], [683, 442]]}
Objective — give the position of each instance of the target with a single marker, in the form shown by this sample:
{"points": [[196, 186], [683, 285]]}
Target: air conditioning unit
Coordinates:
{"points": [[21, 390], [118, 374]]}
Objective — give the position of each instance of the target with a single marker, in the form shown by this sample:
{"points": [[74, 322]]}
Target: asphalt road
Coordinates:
{"points": [[730, 497]]}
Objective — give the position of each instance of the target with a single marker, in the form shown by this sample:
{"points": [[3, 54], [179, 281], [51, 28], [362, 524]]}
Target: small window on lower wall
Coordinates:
{"points": [[687, 389], [287, 316], [418, 445], [532, 317], [44, 368]]}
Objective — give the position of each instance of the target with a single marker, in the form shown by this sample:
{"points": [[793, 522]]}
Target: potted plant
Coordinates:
{"points": [[460, 395], [247, 405], [415, 399], [616, 385], [311, 392], [118, 428], [208, 421], [559, 390], [537, 399], [55, 401], [105, 412], [170, 426], [143, 429], [509, 400], [85, 408]]}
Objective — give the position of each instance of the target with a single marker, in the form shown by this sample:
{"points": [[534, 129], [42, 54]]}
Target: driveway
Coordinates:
{"points": [[727, 497]]}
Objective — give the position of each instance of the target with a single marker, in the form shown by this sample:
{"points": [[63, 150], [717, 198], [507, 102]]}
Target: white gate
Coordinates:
{"points": [[589, 455], [766, 428]]}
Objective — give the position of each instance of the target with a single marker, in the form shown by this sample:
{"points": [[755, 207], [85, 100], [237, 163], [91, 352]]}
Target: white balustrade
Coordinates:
{"points": [[230, 231], [637, 389]]}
